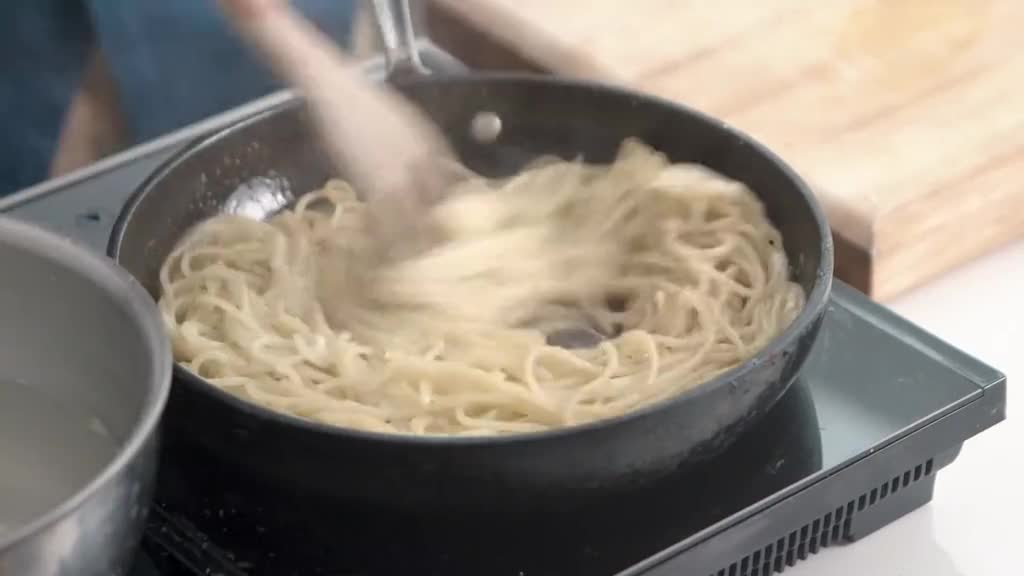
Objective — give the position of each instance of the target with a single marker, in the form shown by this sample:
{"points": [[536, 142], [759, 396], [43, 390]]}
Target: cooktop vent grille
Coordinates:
{"points": [[822, 531]]}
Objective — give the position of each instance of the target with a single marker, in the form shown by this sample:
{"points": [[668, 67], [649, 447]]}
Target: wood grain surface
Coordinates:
{"points": [[906, 115]]}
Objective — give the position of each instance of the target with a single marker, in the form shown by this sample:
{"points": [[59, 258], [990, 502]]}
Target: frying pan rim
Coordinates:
{"points": [[816, 300], [131, 296]]}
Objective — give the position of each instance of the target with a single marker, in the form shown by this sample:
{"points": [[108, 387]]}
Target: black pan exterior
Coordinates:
{"points": [[540, 116]]}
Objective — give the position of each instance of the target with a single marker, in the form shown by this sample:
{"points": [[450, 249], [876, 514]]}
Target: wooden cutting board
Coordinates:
{"points": [[907, 116]]}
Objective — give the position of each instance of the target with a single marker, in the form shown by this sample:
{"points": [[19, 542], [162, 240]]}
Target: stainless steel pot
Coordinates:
{"points": [[85, 370]]}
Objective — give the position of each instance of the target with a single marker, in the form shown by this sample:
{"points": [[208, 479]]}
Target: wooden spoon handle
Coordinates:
{"points": [[386, 146]]}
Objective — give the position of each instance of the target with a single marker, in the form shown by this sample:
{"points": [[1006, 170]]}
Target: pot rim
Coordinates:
{"points": [[125, 290]]}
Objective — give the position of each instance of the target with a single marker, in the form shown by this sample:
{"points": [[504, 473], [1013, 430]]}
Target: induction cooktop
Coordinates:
{"points": [[879, 409], [856, 442]]}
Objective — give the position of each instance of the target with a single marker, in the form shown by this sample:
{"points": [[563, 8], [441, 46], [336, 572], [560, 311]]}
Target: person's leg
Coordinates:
{"points": [[43, 48]]}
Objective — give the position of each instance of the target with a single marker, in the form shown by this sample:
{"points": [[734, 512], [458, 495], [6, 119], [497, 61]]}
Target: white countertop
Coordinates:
{"points": [[971, 527]]}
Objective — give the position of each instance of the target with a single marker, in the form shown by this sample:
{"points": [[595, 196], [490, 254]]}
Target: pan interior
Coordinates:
{"points": [[259, 166]]}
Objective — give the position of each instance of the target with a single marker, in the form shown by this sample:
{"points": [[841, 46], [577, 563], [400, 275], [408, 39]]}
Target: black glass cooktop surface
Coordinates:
{"points": [[878, 410]]}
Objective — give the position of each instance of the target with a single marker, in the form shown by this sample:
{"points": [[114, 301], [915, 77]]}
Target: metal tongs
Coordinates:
{"points": [[394, 155], [394, 20], [388, 149]]}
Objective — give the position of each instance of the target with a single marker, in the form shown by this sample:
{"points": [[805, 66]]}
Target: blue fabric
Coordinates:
{"points": [[43, 46], [174, 63]]}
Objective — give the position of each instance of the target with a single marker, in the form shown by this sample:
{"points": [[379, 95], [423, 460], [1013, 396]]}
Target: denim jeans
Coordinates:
{"points": [[173, 63]]}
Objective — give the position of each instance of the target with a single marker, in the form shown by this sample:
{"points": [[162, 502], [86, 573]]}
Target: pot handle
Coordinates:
{"points": [[394, 20]]}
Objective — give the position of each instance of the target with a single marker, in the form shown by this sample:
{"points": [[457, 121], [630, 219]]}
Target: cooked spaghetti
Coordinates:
{"points": [[676, 266]]}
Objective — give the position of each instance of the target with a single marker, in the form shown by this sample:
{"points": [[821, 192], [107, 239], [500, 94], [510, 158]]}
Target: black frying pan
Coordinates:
{"points": [[263, 159]]}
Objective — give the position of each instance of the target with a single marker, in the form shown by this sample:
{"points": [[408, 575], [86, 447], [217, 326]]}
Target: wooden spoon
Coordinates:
{"points": [[391, 152]]}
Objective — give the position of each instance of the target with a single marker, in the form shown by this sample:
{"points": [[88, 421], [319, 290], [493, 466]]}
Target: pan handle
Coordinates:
{"points": [[394, 20]]}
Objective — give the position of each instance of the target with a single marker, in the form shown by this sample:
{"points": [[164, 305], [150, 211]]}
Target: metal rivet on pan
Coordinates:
{"points": [[485, 127]]}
